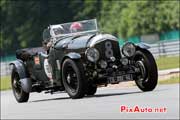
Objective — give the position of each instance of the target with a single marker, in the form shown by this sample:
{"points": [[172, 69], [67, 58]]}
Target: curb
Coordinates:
{"points": [[169, 71]]}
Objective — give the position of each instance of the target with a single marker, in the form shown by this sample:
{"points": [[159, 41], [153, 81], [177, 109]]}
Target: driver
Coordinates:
{"points": [[46, 45], [47, 36], [76, 27]]}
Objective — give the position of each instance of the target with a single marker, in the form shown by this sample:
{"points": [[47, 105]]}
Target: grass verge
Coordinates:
{"points": [[167, 62], [171, 80], [5, 82]]}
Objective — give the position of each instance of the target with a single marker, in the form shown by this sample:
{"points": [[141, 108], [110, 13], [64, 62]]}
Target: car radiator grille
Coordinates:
{"points": [[108, 49]]}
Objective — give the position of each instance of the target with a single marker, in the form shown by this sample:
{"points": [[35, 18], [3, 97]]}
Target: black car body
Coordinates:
{"points": [[80, 62]]}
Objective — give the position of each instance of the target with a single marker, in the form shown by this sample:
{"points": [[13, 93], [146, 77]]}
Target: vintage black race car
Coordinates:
{"points": [[80, 59]]}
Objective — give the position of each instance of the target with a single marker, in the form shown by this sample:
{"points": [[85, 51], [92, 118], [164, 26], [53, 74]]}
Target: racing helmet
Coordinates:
{"points": [[76, 27]]}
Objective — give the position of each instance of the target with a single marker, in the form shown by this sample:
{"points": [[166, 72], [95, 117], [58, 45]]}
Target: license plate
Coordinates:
{"points": [[118, 79]]}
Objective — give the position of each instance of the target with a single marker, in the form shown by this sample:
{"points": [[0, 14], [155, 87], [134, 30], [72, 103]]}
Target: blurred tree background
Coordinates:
{"points": [[22, 22]]}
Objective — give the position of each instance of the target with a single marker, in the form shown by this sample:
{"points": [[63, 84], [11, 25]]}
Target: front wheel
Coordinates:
{"points": [[91, 90], [74, 78], [147, 79], [19, 94]]}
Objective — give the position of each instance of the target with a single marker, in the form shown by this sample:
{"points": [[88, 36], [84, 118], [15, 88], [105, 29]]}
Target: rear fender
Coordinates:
{"points": [[24, 78], [19, 65]]}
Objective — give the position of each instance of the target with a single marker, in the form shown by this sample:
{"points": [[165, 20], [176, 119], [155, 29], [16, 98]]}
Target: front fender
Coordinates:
{"points": [[24, 78], [142, 45], [73, 55]]}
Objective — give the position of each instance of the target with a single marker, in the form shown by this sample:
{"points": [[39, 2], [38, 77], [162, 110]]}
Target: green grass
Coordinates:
{"points": [[167, 62], [5, 82], [171, 80]]}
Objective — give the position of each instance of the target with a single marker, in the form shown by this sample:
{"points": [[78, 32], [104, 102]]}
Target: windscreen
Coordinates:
{"points": [[73, 28]]}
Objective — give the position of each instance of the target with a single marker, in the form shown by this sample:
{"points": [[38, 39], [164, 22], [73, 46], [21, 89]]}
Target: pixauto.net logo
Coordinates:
{"points": [[137, 109]]}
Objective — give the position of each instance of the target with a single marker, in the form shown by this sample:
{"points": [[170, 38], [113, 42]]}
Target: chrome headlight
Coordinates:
{"points": [[124, 61], [129, 49], [92, 54], [103, 64]]}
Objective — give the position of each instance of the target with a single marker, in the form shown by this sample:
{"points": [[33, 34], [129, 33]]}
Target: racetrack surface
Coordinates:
{"points": [[105, 104]]}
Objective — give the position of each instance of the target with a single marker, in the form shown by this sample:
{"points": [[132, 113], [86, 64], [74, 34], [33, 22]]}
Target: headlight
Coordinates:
{"points": [[103, 64], [92, 54], [124, 61], [129, 49]]}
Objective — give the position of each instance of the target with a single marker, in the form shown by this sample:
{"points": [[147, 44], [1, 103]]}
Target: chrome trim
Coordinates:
{"points": [[124, 47], [102, 37], [96, 52], [58, 65]]}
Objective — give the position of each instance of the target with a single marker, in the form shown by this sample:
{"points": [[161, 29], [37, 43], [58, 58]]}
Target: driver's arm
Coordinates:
{"points": [[44, 45]]}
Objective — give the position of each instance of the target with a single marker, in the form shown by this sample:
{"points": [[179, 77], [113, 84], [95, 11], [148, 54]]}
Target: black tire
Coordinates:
{"points": [[20, 95], [91, 90], [148, 78], [74, 78]]}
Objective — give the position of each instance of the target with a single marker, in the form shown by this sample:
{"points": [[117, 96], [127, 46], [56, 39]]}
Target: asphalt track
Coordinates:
{"points": [[106, 104]]}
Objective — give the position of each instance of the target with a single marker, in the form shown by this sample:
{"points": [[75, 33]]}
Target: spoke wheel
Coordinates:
{"points": [[17, 85], [73, 78], [18, 92], [91, 90]]}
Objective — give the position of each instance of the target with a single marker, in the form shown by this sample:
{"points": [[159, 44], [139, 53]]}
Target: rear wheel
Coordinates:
{"points": [[19, 94], [148, 77], [74, 78]]}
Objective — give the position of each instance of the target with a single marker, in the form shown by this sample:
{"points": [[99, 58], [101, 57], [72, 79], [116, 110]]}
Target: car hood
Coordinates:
{"points": [[83, 41]]}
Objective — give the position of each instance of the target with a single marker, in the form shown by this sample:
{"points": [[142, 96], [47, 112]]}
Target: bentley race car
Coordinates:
{"points": [[79, 60]]}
